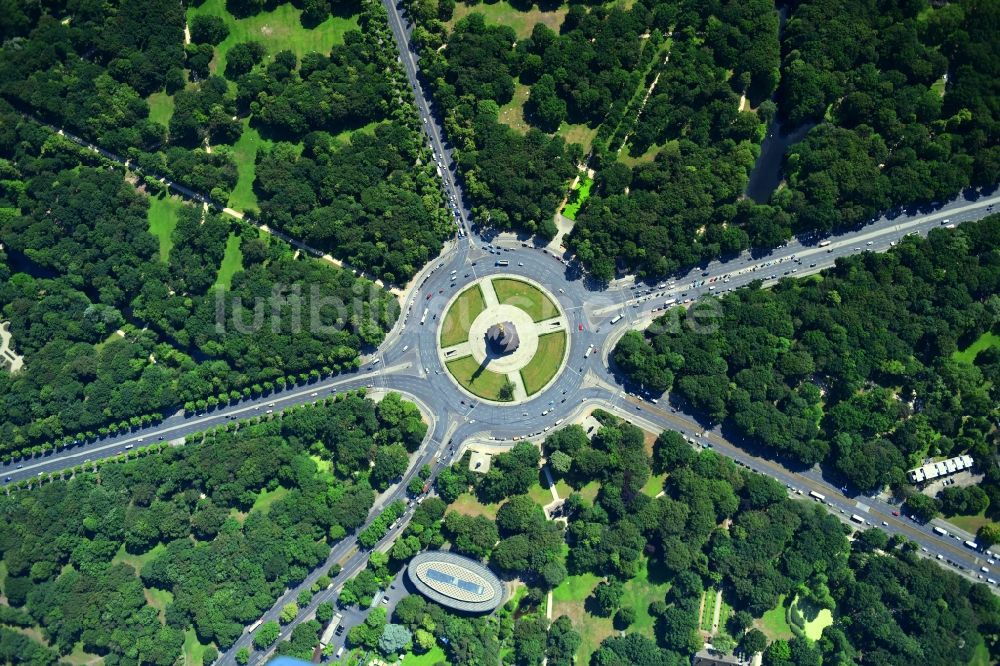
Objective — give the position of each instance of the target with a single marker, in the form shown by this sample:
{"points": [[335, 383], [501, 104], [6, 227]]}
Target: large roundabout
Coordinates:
{"points": [[503, 339]]}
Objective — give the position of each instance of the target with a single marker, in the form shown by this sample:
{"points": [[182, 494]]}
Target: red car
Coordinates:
{"points": [[895, 513], [581, 327]]}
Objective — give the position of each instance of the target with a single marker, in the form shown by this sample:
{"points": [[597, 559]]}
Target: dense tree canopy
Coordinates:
{"points": [[854, 367], [59, 541], [88, 267]]}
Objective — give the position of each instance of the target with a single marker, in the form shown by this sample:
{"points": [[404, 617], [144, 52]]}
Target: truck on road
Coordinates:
{"points": [[816, 496], [941, 531]]}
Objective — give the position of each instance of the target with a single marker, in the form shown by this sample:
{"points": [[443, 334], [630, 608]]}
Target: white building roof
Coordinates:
{"points": [[940, 468]]}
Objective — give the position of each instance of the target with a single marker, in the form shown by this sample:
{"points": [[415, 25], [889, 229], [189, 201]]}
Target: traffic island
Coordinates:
{"points": [[504, 339]]}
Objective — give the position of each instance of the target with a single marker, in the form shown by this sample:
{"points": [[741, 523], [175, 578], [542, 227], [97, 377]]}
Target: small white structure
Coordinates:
{"points": [[934, 470]]}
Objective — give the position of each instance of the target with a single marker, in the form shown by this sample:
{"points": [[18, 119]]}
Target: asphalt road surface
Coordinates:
{"points": [[408, 362]]}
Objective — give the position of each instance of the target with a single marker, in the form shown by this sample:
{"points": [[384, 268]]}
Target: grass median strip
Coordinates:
{"points": [[545, 363]]}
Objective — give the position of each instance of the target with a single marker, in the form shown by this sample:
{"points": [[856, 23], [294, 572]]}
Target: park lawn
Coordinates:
{"points": [[80, 657], [137, 561], [512, 113], [278, 30], [580, 133], [708, 609], [583, 193], [468, 505], [672, 147], [939, 86], [244, 154], [322, 465], [344, 136], [158, 599], [429, 658], [569, 599], [544, 365], [193, 650], [232, 262], [162, 218], [774, 622], [969, 523], [485, 384], [986, 340], [461, 314], [161, 107], [724, 615], [502, 12], [540, 493], [981, 656], [816, 619], [265, 498], [588, 492], [522, 295], [646, 587], [654, 486]]}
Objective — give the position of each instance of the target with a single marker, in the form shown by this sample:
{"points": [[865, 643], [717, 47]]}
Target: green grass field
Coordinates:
{"points": [[161, 108], [244, 153], [80, 657], [569, 598], [583, 187], [969, 523], [981, 656], [468, 505], [429, 658], [654, 485], [277, 30], [774, 622], [158, 599], [588, 492], [540, 494], [461, 314], [523, 295], [724, 614], [647, 586], [708, 610], [523, 22], [265, 498], [816, 619], [232, 262], [512, 113], [193, 650], [939, 86], [986, 340], [544, 365], [137, 561], [485, 384], [322, 465], [162, 217]]}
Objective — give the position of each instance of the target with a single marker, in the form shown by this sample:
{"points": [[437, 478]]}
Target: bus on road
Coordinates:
{"points": [[617, 318]]}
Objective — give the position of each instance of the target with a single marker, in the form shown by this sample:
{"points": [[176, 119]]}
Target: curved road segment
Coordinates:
{"points": [[408, 362]]}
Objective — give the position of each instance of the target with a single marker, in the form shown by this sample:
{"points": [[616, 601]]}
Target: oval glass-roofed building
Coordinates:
{"points": [[455, 581]]}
